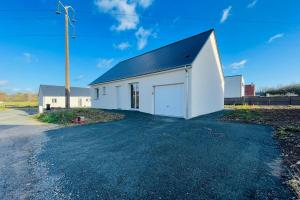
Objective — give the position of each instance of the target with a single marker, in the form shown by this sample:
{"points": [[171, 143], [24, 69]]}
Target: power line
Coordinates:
{"points": [[159, 18], [99, 36]]}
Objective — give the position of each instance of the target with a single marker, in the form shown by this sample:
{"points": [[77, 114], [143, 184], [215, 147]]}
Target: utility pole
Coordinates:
{"points": [[67, 61]]}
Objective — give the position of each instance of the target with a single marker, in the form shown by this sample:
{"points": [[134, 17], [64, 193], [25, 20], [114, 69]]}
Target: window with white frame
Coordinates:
{"points": [[134, 95], [104, 90], [96, 93], [54, 100]]}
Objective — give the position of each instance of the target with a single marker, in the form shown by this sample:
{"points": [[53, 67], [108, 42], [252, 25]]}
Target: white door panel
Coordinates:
{"points": [[169, 100]]}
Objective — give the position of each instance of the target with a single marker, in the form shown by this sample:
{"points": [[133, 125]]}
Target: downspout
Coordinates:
{"points": [[186, 67]]}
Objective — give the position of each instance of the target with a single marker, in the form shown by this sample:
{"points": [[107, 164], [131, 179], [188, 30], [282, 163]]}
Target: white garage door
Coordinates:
{"points": [[169, 100]]}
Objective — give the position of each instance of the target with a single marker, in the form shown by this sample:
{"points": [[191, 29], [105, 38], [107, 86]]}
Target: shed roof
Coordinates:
{"points": [[172, 56], [53, 90]]}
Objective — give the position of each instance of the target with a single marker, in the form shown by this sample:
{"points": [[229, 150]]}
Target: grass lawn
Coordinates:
{"points": [[285, 119], [65, 116], [20, 104], [2, 107], [286, 122]]}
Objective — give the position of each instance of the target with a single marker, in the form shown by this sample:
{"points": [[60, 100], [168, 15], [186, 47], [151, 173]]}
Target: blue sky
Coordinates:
{"points": [[257, 38]]}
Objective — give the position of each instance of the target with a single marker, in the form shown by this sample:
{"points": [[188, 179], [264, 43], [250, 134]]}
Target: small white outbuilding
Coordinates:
{"points": [[54, 97], [234, 86], [183, 79]]}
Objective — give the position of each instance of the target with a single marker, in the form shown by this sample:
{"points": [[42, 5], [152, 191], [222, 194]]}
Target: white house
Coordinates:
{"points": [[183, 79], [54, 97], [234, 86]]}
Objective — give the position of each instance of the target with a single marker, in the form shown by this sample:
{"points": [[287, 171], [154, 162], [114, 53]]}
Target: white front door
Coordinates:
{"points": [[169, 100], [118, 96]]}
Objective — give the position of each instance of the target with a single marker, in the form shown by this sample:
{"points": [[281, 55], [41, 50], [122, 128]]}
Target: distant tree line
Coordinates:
{"points": [[282, 90], [18, 97]]}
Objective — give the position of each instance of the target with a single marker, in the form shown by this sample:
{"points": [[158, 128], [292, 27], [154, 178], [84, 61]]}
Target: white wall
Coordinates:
{"points": [[234, 86], [207, 81], [60, 102], [242, 86], [146, 89], [203, 83]]}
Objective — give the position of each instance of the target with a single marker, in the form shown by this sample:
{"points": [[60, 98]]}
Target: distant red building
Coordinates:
{"points": [[250, 90]]}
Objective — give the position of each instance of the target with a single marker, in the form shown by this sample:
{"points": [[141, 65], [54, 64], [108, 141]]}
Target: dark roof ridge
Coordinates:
{"points": [[234, 75]]}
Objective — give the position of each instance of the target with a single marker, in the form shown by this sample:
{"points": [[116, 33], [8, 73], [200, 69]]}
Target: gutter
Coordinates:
{"points": [[180, 67], [187, 94]]}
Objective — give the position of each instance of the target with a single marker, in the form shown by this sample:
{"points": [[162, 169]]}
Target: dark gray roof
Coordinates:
{"points": [[233, 76], [172, 56], [53, 90]]}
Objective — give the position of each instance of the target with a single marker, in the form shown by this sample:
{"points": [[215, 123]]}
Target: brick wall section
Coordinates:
{"points": [[250, 90]]}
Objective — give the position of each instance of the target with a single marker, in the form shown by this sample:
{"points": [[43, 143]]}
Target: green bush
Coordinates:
{"points": [[58, 117], [65, 116]]}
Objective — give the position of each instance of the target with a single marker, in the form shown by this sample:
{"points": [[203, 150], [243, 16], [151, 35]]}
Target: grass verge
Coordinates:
{"points": [[65, 116], [18, 104], [2, 107], [286, 122]]}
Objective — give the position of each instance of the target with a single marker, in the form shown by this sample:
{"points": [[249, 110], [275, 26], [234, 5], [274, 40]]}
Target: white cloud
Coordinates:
{"points": [[28, 89], [105, 63], [252, 4], [239, 65], [124, 11], [79, 77], [142, 35], [145, 3], [29, 58], [277, 36], [175, 21], [3, 82], [122, 46], [226, 14]]}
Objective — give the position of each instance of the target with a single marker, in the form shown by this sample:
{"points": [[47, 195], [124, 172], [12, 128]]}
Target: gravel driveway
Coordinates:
{"points": [[146, 157], [21, 138]]}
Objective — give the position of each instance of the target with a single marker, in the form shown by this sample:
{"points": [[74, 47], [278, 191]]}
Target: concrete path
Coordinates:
{"points": [[21, 138], [18, 117]]}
